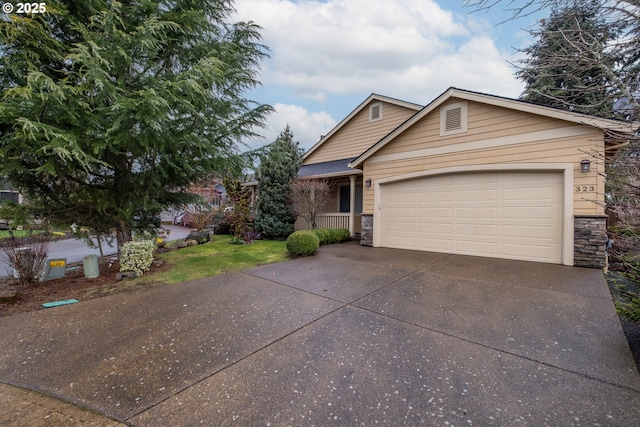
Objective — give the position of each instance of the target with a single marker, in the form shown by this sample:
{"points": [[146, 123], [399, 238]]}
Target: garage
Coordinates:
{"points": [[503, 214]]}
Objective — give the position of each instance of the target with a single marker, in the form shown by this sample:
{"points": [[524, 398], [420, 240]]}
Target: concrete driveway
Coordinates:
{"points": [[351, 336]]}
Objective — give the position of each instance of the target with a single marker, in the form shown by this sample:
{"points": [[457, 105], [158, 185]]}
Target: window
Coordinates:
{"points": [[453, 119], [344, 198], [9, 196], [375, 112]]}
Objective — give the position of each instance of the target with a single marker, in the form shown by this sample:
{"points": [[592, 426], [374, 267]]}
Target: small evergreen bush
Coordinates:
{"points": [[137, 256], [225, 226], [302, 243], [339, 235], [324, 234]]}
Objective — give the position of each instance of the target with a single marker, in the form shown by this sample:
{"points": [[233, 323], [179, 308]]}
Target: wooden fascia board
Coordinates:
{"points": [[332, 175], [513, 104]]}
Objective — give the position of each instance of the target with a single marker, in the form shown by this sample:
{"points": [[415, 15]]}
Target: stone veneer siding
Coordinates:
{"points": [[366, 234], [590, 241]]}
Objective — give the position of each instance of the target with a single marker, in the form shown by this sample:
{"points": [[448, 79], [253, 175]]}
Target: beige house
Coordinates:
{"points": [[471, 174], [329, 158]]}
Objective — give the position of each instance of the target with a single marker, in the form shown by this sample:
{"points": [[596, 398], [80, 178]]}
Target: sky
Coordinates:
{"points": [[326, 57]]}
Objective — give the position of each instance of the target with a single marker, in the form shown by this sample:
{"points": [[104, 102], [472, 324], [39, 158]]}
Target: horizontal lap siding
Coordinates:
{"points": [[487, 122], [359, 134]]}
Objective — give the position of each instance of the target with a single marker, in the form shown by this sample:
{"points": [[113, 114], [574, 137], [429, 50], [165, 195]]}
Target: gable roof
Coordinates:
{"points": [[498, 101], [363, 105]]}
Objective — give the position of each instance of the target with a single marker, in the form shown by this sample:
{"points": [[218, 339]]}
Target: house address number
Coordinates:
{"points": [[585, 188]]}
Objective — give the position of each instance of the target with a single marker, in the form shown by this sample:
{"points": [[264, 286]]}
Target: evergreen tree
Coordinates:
{"points": [[570, 64], [277, 171], [111, 109]]}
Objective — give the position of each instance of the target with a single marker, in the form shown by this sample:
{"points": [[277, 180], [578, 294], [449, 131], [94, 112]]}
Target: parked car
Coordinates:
{"points": [[178, 219], [195, 216]]}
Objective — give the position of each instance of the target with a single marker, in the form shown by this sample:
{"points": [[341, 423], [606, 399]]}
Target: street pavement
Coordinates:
{"points": [[75, 249], [350, 336]]}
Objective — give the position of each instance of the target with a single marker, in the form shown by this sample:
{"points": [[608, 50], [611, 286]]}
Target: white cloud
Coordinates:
{"points": [[410, 49], [306, 126]]}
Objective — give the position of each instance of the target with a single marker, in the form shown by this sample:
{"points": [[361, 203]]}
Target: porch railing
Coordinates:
{"points": [[330, 220]]}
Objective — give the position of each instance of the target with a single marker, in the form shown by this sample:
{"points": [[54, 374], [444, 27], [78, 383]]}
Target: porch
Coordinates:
{"points": [[333, 220], [344, 207]]}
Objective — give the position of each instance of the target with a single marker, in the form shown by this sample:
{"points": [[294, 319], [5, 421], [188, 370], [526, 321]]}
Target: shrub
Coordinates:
{"points": [[339, 235], [137, 256], [302, 243], [324, 234], [225, 226], [27, 255]]}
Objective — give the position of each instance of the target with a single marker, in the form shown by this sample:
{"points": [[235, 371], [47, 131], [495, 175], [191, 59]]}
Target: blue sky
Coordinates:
{"points": [[328, 56]]}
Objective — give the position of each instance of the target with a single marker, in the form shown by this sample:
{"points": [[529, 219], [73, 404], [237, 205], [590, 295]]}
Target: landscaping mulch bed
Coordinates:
{"points": [[73, 286], [631, 328]]}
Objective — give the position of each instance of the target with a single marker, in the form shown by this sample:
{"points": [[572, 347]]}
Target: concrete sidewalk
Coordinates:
{"points": [[350, 336]]}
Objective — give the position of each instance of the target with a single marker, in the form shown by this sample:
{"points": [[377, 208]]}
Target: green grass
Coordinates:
{"points": [[4, 234], [217, 257]]}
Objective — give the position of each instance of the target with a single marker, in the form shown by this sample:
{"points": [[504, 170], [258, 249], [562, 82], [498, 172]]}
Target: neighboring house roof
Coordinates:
{"points": [[579, 118], [364, 104], [328, 169]]}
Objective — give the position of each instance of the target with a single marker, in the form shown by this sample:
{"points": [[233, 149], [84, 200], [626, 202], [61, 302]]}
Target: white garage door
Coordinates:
{"points": [[515, 215]]}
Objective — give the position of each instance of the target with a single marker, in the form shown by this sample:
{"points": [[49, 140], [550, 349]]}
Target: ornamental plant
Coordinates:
{"points": [[339, 235], [302, 243], [324, 235], [137, 256]]}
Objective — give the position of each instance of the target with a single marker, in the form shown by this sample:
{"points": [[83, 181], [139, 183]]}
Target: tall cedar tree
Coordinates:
{"points": [[564, 68], [277, 171], [110, 109]]}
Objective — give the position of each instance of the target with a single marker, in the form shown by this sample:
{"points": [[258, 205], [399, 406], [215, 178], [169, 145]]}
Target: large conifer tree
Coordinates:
{"points": [[277, 171], [568, 66], [108, 109]]}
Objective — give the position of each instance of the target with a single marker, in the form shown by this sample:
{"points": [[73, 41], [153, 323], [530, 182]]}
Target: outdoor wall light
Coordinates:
{"points": [[367, 182], [585, 165]]}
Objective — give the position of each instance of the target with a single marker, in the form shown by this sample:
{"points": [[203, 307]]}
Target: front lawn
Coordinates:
{"points": [[4, 234], [217, 257], [195, 262]]}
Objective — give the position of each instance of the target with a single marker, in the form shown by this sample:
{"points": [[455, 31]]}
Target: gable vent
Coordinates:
{"points": [[375, 112], [453, 119]]}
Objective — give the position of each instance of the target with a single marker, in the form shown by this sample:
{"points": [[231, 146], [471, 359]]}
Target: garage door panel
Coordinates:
{"points": [[546, 232], [435, 212], [477, 195], [472, 179], [532, 213], [434, 229], [528, 194], [516, 215], [531, 252], [475, 247], [402, 226], [476, 212], [434, 197], [478, 230], [402, 212], [402, 199], [437, 244]]}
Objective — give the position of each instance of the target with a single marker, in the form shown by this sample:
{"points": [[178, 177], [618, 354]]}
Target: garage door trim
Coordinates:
{"points": [[565, 168]]}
